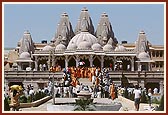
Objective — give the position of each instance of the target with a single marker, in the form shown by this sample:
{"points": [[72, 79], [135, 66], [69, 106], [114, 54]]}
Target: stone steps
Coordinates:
{"points": [[85, 81]]}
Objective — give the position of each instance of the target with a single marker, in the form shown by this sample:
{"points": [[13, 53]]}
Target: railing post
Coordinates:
{"points": [[53, 92]]}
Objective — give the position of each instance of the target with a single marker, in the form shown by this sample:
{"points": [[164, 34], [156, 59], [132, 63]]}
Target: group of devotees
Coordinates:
{"points": [[101, 86]]}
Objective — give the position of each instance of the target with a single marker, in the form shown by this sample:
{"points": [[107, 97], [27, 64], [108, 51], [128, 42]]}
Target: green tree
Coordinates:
{"points": [[84, 105], [6, 105], [23, 99], [144, 97], [126, 93], [161, 106]]}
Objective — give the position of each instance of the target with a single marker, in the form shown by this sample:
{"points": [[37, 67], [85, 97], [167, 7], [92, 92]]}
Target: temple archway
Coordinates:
{"points": [[96, 62], [87, 63], [60, 61], [108, 62], [72, 62], [125, 63]]}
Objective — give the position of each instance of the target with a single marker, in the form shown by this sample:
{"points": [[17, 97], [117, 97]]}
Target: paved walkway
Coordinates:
{"points": [[127, 105]]}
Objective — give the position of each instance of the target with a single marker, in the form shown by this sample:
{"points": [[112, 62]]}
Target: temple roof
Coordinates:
{"points": [[120, 48], [25, 55], [26, 43], [64, 31], [47, 48], [81, 40], [108, 47]]}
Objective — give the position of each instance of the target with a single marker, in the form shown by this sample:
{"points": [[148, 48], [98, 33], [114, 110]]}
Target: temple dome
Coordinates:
{"points": [[96, 46], [60, 47], [120, 48], [82, 39], [72, 46], [47, 48], [143, 56], [84, 45], [108, 47], [24, 55]]}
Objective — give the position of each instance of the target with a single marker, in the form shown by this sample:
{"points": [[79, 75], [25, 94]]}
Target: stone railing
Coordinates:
{"points": [[35, 103], [112, 74], [137, 74], [32, 74]]}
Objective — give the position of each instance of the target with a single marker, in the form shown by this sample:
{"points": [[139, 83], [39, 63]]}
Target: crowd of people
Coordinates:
{"points": [[102, 85]]}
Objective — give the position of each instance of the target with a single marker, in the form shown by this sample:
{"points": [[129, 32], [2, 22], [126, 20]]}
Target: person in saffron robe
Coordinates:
{"points": [[86, 73], [82, 72], [78, 73], [89, 75], [112, 91]]}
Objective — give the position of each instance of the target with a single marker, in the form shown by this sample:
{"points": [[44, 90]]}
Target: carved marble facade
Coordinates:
{"points": [[99, 48]]}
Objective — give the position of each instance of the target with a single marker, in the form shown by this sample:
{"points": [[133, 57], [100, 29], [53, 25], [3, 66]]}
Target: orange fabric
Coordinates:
{"points": [[112, 91], [97, 81]]}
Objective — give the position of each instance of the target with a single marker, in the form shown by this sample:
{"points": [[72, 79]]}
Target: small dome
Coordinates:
{"points": [[82, 38], [72, 46], [143, 55], [120, 48], [24, 55], [84, 45], [108, 47], [60, 47], [47, 48], [96, 46]]}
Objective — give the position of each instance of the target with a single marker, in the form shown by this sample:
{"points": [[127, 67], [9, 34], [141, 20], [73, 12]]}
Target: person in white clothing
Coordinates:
{"points": [[137, 97], [155, 91]]}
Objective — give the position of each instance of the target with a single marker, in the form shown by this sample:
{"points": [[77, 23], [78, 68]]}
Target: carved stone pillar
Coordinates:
{"points": [[114, 63], [139, 66], [66, 61], [132, 64], [19, 66], [35, 63], [102, 61], [77, 60], [161, 91], [91, 60], [53, 59], [149, 66]]}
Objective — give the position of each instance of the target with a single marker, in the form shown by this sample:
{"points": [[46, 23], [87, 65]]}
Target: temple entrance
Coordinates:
{"points": [[144, 67], [152, 85], [41, 63], [72, 62], [24, 65], [87, 63], [126, 65], [61, 62], [97, 62], [108, 63]]}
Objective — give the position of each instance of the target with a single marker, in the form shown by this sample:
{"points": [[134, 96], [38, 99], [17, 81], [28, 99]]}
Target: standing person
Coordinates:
{"points": [[31, 93], [70, 91], [106, 91], [149, 97], [155, 91], [112, 91], [44, 67], [137, 97]]}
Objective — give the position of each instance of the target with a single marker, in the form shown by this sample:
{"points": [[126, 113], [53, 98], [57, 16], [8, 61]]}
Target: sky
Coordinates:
{"points": [[41, 20]]}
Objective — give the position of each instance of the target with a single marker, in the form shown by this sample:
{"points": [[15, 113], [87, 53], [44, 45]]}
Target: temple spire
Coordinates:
{"points": [[84, 15]]}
